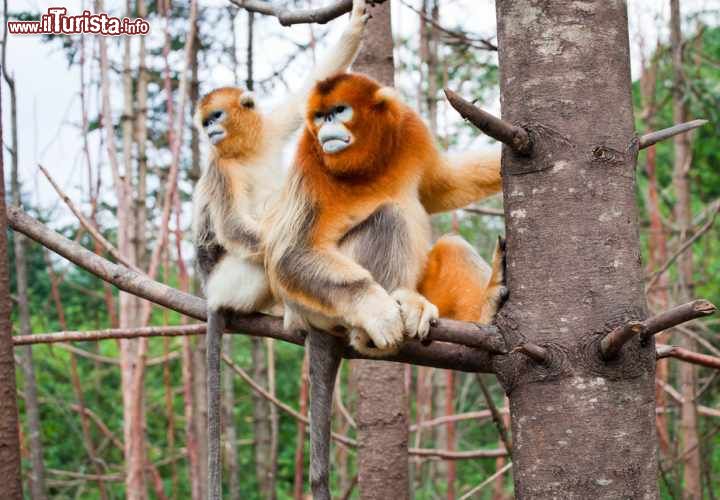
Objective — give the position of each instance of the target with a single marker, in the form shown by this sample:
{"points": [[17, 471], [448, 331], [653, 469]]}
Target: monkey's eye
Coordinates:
{"points": [[343, 112], [212, 118], [318, 118]]}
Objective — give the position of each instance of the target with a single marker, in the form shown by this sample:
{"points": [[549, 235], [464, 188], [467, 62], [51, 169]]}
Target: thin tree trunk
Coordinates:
{"points": [[450, 431], [274, 422], [32, 408], [658, 294], [133, 423], [500, 462], [582, 427], [690, 447], [141, 131], [382, 413], [261, 419], [201, 409], [11, 484]]}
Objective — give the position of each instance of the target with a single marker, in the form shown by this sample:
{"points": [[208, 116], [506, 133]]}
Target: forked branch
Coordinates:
{"points": [[647, 140], [613, 342], [513, 136]]}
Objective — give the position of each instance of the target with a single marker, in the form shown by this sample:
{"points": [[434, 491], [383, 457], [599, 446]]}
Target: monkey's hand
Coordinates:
{"points": [[379, 320], [417, 312], [360, 15]]}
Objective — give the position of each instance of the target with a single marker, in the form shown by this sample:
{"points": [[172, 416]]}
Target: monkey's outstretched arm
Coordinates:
{"points": [[287, 117], [324, 354], [455, 181]]}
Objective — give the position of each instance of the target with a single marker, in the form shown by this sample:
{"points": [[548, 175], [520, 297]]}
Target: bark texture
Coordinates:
{"points": [[690, 447], [11, 484], [582, 428], [382, 420]]}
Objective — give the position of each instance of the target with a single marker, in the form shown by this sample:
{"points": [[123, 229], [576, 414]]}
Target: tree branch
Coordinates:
{"points": [[515, 137], [533, 351], [320, 15], [671, 351], [613, 342], [495, 212], [685, 246], [457, 455], [89, 227], [647, 140], [442, 354], [677, 315]]}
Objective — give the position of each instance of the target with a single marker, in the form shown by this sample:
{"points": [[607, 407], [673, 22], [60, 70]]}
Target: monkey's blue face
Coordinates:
{"points": [[332, 132], [212, 124]]}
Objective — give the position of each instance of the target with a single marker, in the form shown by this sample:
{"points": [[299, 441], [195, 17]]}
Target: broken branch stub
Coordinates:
{"points": [[613, 342], [517, 138], [647, 140]]}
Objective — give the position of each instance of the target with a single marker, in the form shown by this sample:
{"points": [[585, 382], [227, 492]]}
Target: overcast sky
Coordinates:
{"points": [[48, 99]]}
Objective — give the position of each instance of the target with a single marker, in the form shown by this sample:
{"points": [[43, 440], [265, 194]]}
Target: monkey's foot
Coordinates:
{"points": [[417, 312], [360, 14], [497, 291], [378, 315]]}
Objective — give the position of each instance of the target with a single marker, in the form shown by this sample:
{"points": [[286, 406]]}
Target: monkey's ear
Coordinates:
{"points": [[247, 100], [384, 95]]}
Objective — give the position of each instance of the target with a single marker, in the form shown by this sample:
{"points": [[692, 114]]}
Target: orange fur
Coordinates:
{"points": [[460, 283], [391, 161], [243, 123]]}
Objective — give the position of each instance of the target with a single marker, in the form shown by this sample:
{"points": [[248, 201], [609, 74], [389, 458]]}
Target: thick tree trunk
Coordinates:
{"points": [[382, 420], [689, 445], [11, 484], [582, 428]]}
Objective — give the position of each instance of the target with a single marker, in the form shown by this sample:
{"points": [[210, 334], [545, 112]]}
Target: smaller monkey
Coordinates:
{"points": [[243, 177]]}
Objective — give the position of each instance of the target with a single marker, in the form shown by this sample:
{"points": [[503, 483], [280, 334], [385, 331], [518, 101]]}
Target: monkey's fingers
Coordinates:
{"points": [[360, 12], [417, 312]]}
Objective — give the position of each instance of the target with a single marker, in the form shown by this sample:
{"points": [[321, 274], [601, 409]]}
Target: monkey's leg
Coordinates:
{"points": [[213, 340], [461, 284], [325, 354]]}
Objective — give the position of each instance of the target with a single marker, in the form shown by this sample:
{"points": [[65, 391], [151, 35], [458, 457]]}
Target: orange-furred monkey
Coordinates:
{"points": [[243, 176], [347, 243]]}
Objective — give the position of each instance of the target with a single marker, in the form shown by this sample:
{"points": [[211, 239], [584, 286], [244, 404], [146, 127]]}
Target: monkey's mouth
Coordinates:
{"points": [[216, 136], [335, 144]]}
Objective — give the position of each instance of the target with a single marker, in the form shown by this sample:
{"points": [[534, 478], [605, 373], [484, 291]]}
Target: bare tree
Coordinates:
{"points": [[382, 420], [573, 256], [32, 408], [690, 447], [11, 485]]}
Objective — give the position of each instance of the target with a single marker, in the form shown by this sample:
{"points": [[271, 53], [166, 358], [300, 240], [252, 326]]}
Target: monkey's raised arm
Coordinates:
{"points": [[454, 181], [287, 117]]}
